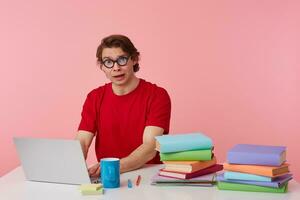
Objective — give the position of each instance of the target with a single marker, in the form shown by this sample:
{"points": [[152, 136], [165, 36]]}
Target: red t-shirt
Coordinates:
{"points": [[119, 121]]}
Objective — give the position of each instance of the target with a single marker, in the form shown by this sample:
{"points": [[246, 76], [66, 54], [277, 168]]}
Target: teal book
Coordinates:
{"points": [[251, 188], [246, 176], [182, 142], [194, 155]]}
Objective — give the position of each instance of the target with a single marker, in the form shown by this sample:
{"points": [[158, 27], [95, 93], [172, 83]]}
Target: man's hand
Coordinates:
{"points": [[94, 171]]}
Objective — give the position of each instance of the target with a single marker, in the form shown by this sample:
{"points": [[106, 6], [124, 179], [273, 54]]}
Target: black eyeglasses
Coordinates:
{"points": [[121, 61]]}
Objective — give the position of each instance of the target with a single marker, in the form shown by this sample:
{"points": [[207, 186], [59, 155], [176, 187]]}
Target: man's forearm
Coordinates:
{"points": [[137, 158], [85, 138], [84, 148]]}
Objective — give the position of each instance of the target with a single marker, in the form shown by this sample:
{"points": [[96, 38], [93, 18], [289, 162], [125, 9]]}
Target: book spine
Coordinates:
{"points": [[250, 170], [246, 176], [247, 158], [189, 168], [187, 155], [173, 147], [258, 183], [251, 188]]}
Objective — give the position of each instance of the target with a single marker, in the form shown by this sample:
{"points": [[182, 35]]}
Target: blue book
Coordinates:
{"points": [[249, 154], [246, 176], [277, 183], [182, 142]]}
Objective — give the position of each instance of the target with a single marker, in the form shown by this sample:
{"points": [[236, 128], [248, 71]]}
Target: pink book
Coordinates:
{"points": [[181, 175]]}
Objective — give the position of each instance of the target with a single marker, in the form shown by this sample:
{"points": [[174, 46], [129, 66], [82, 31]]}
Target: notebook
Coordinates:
{"points": [[206, 180]]}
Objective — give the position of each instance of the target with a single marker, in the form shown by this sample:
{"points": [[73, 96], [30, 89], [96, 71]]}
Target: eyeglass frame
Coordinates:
{"points": [[116, 61]]}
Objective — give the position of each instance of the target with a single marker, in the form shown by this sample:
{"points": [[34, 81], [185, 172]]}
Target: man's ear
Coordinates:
{"points": [[100, 65], [134, 60]]}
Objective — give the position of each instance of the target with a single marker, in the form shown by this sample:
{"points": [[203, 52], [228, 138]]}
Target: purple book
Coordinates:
{"points": [[203, 181], [205, 178], [277, 183], [249, 154]]}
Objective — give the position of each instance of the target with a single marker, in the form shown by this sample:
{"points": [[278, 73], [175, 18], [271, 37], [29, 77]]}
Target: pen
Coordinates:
{"points": [[129, 183], [138, 180]]}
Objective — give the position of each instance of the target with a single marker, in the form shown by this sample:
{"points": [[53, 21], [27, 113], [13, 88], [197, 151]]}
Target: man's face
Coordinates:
{"points": [[119, 75]]}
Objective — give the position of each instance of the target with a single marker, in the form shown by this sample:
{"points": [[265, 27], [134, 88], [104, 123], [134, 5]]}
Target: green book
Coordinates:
{"points": [[205, 154], [250, 188]]}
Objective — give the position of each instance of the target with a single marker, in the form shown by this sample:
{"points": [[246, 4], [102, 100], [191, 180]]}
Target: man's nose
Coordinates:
{"points": [[116, 67]]}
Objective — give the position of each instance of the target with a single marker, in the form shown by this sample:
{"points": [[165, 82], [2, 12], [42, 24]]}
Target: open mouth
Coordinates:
{"points": [[119, 76]]}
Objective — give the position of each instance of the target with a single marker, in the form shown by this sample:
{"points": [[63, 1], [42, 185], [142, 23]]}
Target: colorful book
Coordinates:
{"points": [[250, 188], [258, 169], [180, 175], [249, 154], [206, 180], [246, 177], [188, 166], [211, 178], [205, 154], [277, 183], [182, 142], [197, 184]]}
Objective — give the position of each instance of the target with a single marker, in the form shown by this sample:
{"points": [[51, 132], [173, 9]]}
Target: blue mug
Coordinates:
{"points": [[110, 172]]}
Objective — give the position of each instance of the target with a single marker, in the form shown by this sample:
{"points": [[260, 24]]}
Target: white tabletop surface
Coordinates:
{"points": [[13, 186]]}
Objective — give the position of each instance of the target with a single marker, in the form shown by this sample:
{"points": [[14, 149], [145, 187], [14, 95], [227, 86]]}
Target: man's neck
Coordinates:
{"points": [[126, 88]]}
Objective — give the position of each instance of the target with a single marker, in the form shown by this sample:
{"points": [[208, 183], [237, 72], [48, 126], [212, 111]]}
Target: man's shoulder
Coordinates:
{"points": [[97, 92], [155, 92], [153, 88]]}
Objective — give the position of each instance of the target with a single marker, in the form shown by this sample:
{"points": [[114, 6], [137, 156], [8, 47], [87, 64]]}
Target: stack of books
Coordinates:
{"points": [[185, 157], [256, 168]]}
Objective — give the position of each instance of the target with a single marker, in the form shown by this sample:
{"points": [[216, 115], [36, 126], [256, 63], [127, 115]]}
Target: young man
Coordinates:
{"points": [[126, 114]]}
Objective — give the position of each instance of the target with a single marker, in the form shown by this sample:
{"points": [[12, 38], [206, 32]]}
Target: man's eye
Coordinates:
{"points": [[108, 62], [122, 60]]}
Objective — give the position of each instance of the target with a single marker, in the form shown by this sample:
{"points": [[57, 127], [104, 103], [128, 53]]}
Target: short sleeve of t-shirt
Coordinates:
{"points": [[160, 110], [89, 111]]}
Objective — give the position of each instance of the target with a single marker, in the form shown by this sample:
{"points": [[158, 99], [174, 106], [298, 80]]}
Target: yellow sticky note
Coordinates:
{"points": [[90, 192], [90, 187]]}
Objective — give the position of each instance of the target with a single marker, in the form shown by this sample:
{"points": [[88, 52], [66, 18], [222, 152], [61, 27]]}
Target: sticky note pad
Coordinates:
{"points": [[90, 187], [91, 192]]}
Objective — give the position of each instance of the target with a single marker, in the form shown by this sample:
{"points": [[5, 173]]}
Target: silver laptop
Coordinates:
{"points": [[52, 160]]}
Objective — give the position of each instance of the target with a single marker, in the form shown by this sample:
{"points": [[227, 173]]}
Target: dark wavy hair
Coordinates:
{"points": [[119, 41]]}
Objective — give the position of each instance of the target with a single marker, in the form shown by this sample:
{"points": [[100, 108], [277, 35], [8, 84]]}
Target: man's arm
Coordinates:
{"points": [[85, 138], [144, 152]]}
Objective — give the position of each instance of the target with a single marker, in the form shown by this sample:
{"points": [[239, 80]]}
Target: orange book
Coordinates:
{"points": [[270, 171], [188, 166]]}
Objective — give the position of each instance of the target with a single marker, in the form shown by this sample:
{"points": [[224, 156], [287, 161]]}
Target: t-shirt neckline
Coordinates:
{"points": [[128, 94]]}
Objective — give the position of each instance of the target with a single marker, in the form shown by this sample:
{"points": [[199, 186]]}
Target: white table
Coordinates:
{"points": [[13, 186]]}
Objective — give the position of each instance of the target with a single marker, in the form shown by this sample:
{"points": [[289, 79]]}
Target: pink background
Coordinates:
{"points": [[231, 67]]}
